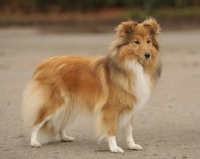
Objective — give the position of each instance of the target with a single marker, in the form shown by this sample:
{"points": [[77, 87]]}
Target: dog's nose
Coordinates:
{"points": [[147, 55]]}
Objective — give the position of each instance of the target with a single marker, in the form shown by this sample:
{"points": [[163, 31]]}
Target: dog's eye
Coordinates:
{"points": [[137, 42], [148, 41]]}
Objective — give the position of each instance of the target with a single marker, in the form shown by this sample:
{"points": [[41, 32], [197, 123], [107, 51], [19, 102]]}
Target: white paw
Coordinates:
{"points": [[135, 147], [117, 150], [35, 144], [67, 139]]}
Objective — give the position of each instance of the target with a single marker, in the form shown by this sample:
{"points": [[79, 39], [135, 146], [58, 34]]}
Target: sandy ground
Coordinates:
{"points": [[167, 127]]}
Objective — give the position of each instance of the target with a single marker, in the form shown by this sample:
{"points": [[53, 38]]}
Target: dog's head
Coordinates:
{"points": [[136, 40]]}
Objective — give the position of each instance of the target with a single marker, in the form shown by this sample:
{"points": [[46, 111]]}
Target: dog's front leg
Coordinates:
{"points": [[113, 144], [109, 121], [129, 137]]}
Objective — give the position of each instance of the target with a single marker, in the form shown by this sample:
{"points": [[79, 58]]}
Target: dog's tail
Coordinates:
{"points": [[33, 100], [31, 103]]}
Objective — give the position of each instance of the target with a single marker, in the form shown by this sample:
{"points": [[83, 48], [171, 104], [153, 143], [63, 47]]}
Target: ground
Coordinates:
{"points": [[167, 127]]}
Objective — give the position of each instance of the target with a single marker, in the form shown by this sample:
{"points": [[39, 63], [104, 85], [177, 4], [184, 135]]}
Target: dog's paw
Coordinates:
{"points": [[67, 139], [135, 147], [35, 144], [117, 150]]}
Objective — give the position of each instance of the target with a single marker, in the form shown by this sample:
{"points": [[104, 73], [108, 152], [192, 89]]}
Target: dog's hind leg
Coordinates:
{"points": [[64, 137], [36, 128]]}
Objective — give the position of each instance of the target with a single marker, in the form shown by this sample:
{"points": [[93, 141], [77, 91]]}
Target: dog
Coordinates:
{"points": [[112, 88]]}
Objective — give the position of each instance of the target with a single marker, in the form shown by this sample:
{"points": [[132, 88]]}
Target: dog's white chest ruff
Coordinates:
{"points": [[141, 81]]}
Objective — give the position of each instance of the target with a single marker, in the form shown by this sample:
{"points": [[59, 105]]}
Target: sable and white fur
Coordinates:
{"points": [[111, 87]]}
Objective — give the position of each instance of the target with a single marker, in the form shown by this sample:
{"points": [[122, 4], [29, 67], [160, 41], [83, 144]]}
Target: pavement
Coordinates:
{"points": [[167, 127]]}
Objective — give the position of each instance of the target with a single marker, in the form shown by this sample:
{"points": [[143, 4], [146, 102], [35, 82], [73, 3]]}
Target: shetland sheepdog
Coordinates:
{"points": [[111, 88]]}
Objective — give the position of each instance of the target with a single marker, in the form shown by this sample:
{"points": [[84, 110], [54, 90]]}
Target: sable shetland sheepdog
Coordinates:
{"points": [[110, 87]]}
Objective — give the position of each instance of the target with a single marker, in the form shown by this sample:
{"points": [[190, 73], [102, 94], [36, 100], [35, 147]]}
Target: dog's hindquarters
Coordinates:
{"points": [[47, 112]]}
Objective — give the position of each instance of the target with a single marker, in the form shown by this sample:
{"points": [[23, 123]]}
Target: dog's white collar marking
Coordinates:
{"points": [[141, 90], [141, 82]]}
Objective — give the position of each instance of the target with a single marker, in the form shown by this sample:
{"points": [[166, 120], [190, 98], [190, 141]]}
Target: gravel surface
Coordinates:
{"points": [[167, 127]]}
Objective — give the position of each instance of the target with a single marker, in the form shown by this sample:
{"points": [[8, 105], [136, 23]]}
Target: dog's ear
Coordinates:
{"points": [[125, 28], [154, 27], [123, 35], [152, 23]]}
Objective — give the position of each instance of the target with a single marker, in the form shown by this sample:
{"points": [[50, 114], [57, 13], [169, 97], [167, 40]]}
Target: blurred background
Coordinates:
{"points": [[98, 15], [33, 30]]}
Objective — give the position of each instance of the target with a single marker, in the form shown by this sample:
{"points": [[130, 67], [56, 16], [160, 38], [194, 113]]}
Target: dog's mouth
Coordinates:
{"points": [[145, 57]]}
